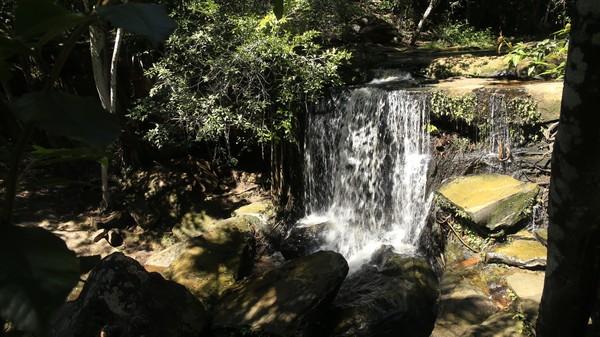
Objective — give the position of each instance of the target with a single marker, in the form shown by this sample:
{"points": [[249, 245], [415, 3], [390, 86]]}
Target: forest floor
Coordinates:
{"points": [[70, 209]]}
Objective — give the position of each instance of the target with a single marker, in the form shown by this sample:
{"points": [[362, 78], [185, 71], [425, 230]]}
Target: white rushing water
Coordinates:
{"points": [[499, 134], [366, 168]]}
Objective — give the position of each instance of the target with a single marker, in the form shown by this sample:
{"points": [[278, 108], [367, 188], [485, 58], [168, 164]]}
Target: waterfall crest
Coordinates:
{"points": [[366, 170]]}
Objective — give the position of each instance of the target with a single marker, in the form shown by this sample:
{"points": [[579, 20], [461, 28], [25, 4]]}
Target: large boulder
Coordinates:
{"points": [[122, 299], [214, 261], [284, 301], [492, 202], [305, 238], [393, 295]]}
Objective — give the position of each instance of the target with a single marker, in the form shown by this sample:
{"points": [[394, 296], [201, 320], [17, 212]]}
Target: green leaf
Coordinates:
{"points": [[278, 8], [79, 118], [37, 272], [43, 20], [149, 20]]}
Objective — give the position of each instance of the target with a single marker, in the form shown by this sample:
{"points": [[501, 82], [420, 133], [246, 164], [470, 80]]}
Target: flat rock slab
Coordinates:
{"points": [[527, 254], [492, 202], [547, 94], [527, 285]]}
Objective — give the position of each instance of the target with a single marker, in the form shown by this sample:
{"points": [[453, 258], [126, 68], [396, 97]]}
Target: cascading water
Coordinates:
{"points": [[366, 169], [499, 134]]}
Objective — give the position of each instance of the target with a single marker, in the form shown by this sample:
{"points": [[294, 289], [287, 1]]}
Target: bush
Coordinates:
{"points": [[233, 76], [462, 35], [545, 59]]}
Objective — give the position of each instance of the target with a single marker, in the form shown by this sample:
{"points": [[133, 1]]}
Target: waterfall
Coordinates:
{"points": [[499, 134], [366, 168]]}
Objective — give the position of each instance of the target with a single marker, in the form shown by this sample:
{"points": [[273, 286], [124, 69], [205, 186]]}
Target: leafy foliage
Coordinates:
{"points": [[37, 272], [228, 74], [546, 59], [149, 20], [62, 114], [462, 35]]}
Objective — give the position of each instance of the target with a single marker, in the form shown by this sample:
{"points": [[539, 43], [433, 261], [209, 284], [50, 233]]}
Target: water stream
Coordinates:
{"points": [[366, 168]]}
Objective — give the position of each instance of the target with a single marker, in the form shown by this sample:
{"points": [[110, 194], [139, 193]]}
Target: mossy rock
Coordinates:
{"points": [[283, 302], [262, 210], [528, 254], [493, 203], [392, 295], [194, 224], [215, 261], [464, 302], [468, 66]]}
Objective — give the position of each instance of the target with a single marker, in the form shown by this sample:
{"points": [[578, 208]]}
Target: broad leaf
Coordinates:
{"points": [[37, 272], [43, 19], [278, 8], [79, 118], [10, 47], [149, 20], [4, 70]]}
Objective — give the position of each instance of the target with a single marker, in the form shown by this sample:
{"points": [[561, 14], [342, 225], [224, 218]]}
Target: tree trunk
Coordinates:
{"points": [[417, 32], [573, 271], [113, 109]]}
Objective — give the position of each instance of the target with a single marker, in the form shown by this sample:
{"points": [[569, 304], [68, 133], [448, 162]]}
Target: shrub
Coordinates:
{"points": [[546, 59], [462, 35], [230, 76]]}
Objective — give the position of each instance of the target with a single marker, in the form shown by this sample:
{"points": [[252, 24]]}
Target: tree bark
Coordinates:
{"points": [[113, 109], [417, 32], [573, 271]]}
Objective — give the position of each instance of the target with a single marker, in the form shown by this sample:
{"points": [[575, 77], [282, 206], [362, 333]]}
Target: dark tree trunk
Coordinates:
{"points": [[287, 181], [573, 272]]}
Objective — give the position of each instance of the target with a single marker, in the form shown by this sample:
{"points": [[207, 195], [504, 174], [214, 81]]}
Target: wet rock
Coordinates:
{"points": [[284, 301], [304, 239], [122, 297], [491, 202], [213, 262], [527, 254], [502, 324], [393, 295], [464, 303]]}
